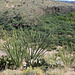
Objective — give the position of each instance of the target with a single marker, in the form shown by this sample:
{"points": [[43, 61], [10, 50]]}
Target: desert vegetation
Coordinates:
{"points": [[27, 47], [44, 45]]}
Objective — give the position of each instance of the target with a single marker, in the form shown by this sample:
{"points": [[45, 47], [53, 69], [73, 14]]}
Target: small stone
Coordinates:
{"points": [[73, 67]]}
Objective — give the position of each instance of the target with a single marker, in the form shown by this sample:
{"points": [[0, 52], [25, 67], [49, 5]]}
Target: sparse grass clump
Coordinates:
{"points": [[67, 55]]}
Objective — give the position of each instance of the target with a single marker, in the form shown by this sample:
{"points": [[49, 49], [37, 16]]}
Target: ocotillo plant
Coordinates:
{"points": [[15, 49], [36, 46], [25, 44]]}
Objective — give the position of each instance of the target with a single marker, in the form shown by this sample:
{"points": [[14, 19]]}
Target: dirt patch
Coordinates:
{"points": [[70, 73], [11, 72], [9, 5], [2, 53]]}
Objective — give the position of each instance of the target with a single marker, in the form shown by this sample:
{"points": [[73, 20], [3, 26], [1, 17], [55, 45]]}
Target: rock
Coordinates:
{"points": [[73, 67], [2, 53], [59, 47]]}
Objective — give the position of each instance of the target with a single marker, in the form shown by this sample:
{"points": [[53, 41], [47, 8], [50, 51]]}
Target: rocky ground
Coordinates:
{"points": [[52, 72]]}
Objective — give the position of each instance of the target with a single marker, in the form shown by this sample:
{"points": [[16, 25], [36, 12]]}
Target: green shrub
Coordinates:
{"points": [[15, 49], [67, 55], [2, 33], [25, 44], [36, 47], [6, 63]]}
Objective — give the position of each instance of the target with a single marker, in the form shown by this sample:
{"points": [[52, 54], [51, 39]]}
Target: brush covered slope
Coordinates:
{"points": [[27, 11]]}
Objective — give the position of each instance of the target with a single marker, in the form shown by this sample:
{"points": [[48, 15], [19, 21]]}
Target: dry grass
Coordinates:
{"points": [[58, 71]]}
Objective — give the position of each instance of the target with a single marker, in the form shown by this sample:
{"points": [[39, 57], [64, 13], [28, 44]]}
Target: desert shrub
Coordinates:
{"points": [[25, 44], [31, 71], [53, 61], [8, 27], [67, 55], [36, 47], [72, 14], [15, 49], [67, 17], [62, 57], [6, 62], [1, 32]]}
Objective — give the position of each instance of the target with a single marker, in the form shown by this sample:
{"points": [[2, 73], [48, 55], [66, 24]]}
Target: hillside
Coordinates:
{"points": [[29, 9]]}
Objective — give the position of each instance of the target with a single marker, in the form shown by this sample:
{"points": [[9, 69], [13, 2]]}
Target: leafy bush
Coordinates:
{"points": [[67, 17], [6, 62]]}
